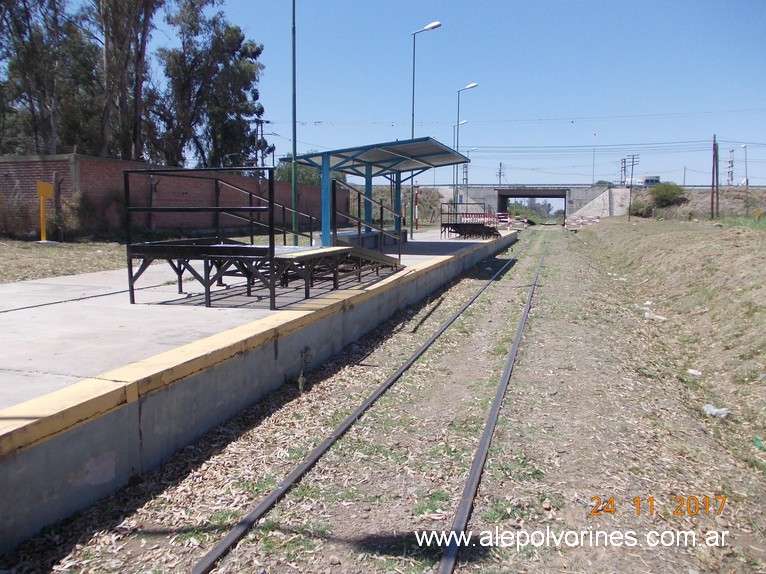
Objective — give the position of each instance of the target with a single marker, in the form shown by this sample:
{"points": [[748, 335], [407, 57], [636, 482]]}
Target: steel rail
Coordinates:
{"points": [[463, 514], [209, 560]]}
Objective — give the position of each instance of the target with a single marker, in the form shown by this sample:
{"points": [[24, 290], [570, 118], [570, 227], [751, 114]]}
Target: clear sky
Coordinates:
{"points": [[566, 88]]}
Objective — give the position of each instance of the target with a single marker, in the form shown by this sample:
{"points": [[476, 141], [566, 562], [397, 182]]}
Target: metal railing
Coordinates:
{"points": [[215, 210], [284, 224], [466, 212], [370, 225], [279, 216]]}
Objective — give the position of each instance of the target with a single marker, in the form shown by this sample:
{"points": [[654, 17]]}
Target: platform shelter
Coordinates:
{"points": [[398, 161]]}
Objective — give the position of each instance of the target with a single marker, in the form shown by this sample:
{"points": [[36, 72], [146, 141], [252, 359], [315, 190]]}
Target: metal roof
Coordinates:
{"points": [[416, 155]]}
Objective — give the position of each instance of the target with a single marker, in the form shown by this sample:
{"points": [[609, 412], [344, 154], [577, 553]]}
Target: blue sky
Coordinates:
{"points": [[652, 78]]}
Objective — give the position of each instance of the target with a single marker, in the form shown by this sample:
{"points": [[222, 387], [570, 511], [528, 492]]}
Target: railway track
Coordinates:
{"points": [[256, 516]]}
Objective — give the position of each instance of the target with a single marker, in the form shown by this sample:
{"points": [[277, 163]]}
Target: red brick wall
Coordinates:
{"points": [[19, 205], [92, 195], [99, 182]]}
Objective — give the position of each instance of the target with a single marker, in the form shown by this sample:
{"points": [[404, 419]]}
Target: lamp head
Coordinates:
{"points": [[471, 85], [432, 26]]}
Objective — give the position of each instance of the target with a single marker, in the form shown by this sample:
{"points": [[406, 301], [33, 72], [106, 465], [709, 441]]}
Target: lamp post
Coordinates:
{"points": [[457, 137], [747, 181], [293, 165], [426, 28]]}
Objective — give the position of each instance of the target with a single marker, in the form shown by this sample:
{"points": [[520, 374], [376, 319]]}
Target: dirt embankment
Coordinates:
{"points": [[710, 283], [703, 287]]}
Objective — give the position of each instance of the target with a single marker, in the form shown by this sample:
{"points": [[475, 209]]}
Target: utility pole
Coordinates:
{"points": [[730, 171], [714, 178], [633, 159], [500, 175], [623, 170]]}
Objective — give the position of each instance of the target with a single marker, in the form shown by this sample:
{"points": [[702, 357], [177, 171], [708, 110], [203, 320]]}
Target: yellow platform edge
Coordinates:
{"points": [[32, 422]]}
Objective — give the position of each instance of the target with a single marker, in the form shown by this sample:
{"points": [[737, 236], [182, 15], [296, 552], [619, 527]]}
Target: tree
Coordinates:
{"points": [[66, 71], [210, 107], [305, 173], [35, 37], [79, 78], [666, 194], [124, 27]]}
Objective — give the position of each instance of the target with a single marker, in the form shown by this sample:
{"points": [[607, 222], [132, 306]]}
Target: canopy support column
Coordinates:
{"points": [[326, 201], [368, 195], [398, 199]]}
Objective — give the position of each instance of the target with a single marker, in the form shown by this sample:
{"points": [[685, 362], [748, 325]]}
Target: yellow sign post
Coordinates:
{"points": [[44, 191]]}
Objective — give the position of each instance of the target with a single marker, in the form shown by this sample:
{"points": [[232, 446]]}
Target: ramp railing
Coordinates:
{"points": [[371, 225]]}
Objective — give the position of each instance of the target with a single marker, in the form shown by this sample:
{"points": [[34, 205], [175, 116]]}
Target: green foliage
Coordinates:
{"points": [[666, 194], [73, 75], [47, 80], [517, 208], [641, 209], [211, 103], [305, 173]]}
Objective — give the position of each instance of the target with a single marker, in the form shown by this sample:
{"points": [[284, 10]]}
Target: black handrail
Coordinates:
{"points": [[284, 228], [380, 229]]}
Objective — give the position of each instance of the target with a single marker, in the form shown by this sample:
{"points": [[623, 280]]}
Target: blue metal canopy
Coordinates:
{"points": [[390, 159], [416, 155]]}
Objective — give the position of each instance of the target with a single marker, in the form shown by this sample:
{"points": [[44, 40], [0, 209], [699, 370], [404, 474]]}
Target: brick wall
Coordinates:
{"points": [[19, 205], [92, 195]]}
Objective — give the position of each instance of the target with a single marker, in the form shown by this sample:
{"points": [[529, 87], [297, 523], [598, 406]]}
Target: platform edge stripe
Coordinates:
{"points": [[43, 418], [33, 422]]}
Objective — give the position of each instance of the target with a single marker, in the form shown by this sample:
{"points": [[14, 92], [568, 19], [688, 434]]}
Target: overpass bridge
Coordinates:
{"points": [[575, 196]]}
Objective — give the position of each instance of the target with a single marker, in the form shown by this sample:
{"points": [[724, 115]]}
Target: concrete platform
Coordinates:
{"points": [[94, 390]]}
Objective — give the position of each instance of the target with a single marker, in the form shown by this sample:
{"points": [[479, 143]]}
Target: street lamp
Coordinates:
{"points": [[293, 164], [454, 129], [747, 181], [457, 137], [426, 28]]}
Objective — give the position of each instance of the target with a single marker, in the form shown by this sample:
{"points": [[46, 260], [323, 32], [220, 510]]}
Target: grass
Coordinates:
{"points": [[226, 517], [28, 260], [433, 502], [750, 222], [257, 487], [519, 469], [500, 511]]}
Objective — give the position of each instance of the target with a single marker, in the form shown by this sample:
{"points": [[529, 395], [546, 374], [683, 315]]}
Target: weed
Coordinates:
{"points": [[648, 373], [296, 452], [433, 502], [225, 517], [500, 511], [306, 355], [520, 469], [467, 426], [258, 486]]}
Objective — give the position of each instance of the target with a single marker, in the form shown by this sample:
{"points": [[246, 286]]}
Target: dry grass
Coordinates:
{"points": [[25, 260]]}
